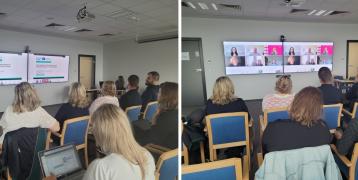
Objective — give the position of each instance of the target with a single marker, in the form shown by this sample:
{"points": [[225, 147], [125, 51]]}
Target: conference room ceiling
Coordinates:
{"points": [[125, 19], [275, 10]]}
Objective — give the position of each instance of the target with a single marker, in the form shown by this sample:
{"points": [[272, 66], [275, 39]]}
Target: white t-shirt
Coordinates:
{"points": [[115, 166], [11, 121], [101, 101]]}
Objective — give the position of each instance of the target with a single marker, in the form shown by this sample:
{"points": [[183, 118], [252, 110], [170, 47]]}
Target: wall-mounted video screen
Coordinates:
{"points": [[308, 56], [48, 68], [13, 68], [267, 57]]}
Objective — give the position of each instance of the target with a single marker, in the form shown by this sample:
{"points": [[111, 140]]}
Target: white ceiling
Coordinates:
{"points": [[156, 17], [274, 10]]}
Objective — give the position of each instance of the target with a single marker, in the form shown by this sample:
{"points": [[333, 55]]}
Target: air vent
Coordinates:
{"points": [[106, 34], [233, 6], [298, 10], [83, 30], [2, 14], [338, 12], [54, 25]]}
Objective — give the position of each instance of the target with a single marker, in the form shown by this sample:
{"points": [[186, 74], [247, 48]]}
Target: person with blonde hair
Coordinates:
{"points": [[282, 97], [223, 99], [26, 112], [305, 128], [124, 157], [108, 92], [164, 131], [76, 106]]}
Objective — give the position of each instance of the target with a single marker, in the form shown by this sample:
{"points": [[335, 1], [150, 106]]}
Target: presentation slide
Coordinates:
{"points": [[48, 68], [252, 57], [308, 56], [13, 68], [267, 57]]}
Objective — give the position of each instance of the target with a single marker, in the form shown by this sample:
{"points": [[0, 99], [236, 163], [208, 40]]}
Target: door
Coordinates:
{"points": [[352, 58], [193, 76], [87, 65]]}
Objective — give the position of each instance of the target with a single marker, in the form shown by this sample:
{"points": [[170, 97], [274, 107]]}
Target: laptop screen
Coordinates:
{"points": [[60, 161]]}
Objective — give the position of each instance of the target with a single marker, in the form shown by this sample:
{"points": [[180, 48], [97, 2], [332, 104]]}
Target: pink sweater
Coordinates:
{"points": [[277, 101]]}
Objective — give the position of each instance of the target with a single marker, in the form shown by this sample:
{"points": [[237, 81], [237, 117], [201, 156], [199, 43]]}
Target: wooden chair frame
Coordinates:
{"points": [[213, 148], [162, 158], [339, 115], [62, 135], [215, 165], [351, 164], [353, 113]]}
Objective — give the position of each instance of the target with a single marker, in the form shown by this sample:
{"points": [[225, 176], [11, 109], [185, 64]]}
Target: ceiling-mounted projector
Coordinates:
{"points": [[84, 16]]}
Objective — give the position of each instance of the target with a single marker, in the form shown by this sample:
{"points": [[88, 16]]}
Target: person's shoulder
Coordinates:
{"points": [[238, 100]]}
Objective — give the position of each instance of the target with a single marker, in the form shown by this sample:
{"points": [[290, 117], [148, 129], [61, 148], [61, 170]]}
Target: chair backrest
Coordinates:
{"points": [[332, 115], [75, 131], [36, 172], [353, 171], [133, 113], [227, 128], [167, 165], [338, 77], [274, 114], [150, 110], [229, 169]]}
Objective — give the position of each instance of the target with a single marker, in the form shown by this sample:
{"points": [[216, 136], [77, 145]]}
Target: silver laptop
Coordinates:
{"points": [[62, 162]]}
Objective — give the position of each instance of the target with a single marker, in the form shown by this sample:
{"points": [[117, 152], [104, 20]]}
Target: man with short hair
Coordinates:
{"points": [[131, 97], [331, 95], [151, 92]]}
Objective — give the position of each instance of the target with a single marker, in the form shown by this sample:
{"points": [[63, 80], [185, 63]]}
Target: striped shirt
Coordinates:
{"points": [[276, 101]]}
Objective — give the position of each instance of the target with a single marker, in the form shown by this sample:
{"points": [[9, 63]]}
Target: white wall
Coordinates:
{"points": [[128, 57], [53, 93], [214, 31]]}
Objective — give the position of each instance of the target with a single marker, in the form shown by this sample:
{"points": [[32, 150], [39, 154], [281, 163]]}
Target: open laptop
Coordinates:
{"points": [[62, 162]]}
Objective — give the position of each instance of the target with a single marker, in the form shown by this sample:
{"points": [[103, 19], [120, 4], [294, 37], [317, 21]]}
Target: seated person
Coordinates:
{"points": [[164, 131], [131, 97], [120, 83], [26, 111], [223, 99], [108, 93], [151, 92], [345, 140], [124, 157], [77, 106], [331, 95], [352, 94], [305, 128], [282, 97]]}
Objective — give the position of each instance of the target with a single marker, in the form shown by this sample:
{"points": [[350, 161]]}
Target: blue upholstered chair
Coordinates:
{"points": [[227, 130], [275, 114], [347, 166], [228, 169], [167, 166], [332, 115], [75, 131], [150, 110], [133, 112]]}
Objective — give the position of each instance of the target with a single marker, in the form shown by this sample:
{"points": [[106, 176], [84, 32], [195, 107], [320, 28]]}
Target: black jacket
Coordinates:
{"points": [[18, 152], [130, 98], [150, 94]]}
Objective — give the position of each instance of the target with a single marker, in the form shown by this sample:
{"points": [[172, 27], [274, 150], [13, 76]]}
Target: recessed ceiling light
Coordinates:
{"points": [[320, 12], [50, 18], [328, 13], [191, 5], [214, 6], [313, 11], [203, 6]]}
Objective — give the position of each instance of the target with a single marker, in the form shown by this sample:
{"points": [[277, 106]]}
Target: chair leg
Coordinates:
{"points": [[211, 153], [245, 168], [215, 154], [86, 156], [202, 152], [8, 174]]}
